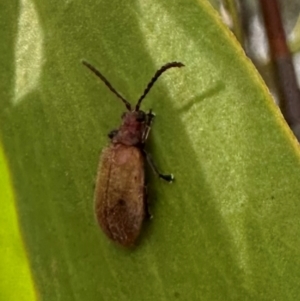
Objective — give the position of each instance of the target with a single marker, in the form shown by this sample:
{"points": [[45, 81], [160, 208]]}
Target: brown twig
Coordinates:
{"points": [[285, 72]]}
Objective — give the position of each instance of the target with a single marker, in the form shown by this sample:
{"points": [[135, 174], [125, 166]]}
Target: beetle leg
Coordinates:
{"points": [[150, 117], [168, 178], [147, 211]]}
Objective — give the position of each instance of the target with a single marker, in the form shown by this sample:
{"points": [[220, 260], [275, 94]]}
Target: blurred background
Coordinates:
{"points": [[269, 32]]}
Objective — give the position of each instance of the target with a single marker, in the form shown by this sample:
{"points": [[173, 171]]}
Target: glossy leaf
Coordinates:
{"points": [[227, 229]]}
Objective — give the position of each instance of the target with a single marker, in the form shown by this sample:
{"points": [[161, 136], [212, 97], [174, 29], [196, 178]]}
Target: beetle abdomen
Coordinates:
{"points": [[119, 194]]}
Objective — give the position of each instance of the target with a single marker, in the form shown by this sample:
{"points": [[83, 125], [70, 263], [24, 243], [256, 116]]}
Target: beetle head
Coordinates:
{"points": [[132, 129]]}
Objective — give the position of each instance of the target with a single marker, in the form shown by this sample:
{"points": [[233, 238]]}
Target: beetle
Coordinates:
{"points": [[120, 193]]}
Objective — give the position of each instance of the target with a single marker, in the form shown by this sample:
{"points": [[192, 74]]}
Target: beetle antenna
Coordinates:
{"points": [[107, 83], [157, 74]]}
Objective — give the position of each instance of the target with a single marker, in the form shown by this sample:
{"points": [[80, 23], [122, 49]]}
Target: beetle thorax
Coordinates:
{"points": [[132, 129]]}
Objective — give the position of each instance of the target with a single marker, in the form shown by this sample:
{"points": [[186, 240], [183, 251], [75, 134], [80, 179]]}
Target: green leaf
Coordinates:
{"points": [[15, 278], [227, 229]]}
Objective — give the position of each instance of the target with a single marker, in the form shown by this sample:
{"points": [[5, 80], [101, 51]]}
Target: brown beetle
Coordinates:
{"points": [[120, 196]]}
